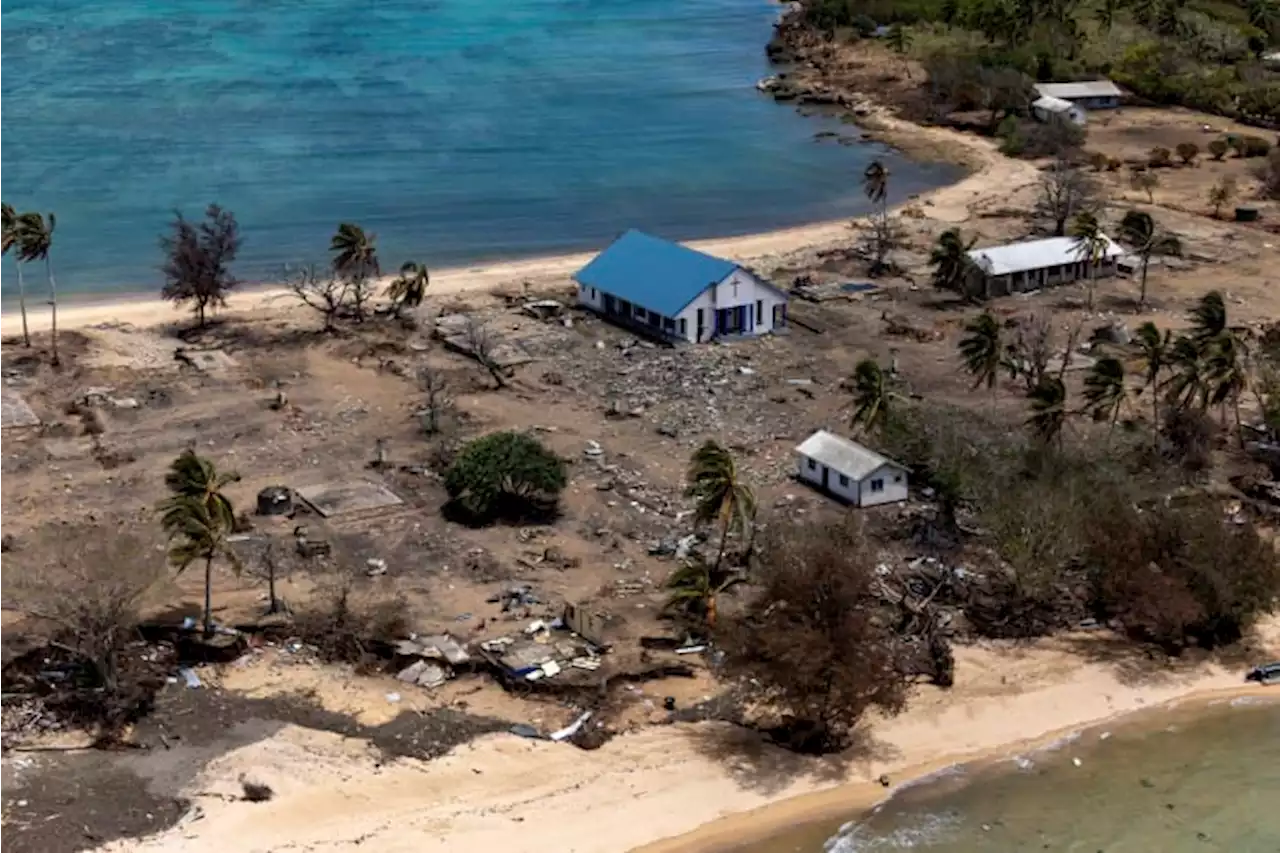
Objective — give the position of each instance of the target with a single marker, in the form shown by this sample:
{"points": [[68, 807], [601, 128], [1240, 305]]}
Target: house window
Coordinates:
{"points": [[639, 313], [759, 312], [813, 466], [897, 478], [844, 481], [735, 290], [877, 485], [593, 294]]}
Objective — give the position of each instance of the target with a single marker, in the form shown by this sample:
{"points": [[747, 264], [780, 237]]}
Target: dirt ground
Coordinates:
{"points": [[646, 406]]}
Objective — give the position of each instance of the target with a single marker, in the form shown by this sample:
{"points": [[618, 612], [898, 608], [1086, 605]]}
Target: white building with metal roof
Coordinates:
{"points": [[1033, 264], [851, 472], [1090, 94]]}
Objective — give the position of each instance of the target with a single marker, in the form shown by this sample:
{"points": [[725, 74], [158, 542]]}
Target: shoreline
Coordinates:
{"points": [[685, 788], [851, 801]]}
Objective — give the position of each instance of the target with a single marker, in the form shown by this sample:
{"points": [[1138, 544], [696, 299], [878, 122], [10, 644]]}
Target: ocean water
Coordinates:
{"points": [[457, 130], [1208, 783]]}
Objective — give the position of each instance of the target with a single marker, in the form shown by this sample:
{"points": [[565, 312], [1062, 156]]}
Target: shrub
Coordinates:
{"points": [[1098, 161], [1179, 574], [1269, 175], [1219, 148], [350, 620], [1254, 146], [1160, 158], [1187, 152], [505, 475], [1114, 164], [811, 641]]}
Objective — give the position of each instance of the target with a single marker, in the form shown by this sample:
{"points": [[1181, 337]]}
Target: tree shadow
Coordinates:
{"points": [[1137, 664], [511, 511], [757, 763]]}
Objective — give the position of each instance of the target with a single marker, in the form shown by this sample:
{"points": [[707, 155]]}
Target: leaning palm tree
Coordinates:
{"points": [[1227, 374], [1090, 246], [982, 351], [696, 587], [1138, 229], [1156, 356], [1189, 380], [952, 266], [719, 493], [1048, 410], [871, 395], [198, 517], [34, 235], [10, 234], [1104, 391], [409, 287], [355, 253], [1208, 318]]}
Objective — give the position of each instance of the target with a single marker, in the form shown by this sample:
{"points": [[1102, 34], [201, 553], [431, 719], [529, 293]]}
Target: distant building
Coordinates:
{"points": [[1046, 109], [674, 292], [1034, 264], [849, 471], [1088, 94]]}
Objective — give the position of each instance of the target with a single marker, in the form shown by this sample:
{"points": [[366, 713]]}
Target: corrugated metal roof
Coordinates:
{"points": [[1035, 255], [1053, 105], [842, 455], [1083, 89], [655, 274]]}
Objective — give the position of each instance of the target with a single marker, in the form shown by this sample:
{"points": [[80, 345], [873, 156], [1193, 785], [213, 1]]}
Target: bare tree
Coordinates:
{"points": [[1065, 191], [1030, 349], [883, 237], [360, 292], [326, 293], [484, 342], [87, 584], [272, 563], [197, 260], [436, 402]]}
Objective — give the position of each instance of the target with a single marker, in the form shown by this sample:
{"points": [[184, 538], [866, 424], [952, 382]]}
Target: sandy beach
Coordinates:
{"points": [[502, 792]]}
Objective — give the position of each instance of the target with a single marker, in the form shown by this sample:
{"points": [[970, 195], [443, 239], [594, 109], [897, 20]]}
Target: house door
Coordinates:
{"points": [[610, 304], [826, 473], [701, 327]]}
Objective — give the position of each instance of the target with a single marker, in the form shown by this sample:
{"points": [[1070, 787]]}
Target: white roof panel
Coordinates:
{"points": [[842, 455], [1035, 255], [1053, 105], [1083, 89]]}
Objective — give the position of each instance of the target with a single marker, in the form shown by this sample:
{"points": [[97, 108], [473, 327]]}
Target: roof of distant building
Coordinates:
{"points": [[1036, 255], [655, 274], [842, 455], [1082, 89]]}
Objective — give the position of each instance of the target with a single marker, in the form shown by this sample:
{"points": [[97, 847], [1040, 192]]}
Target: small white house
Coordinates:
{"points": [[849, 471], [1087, 94], [674, 292], [1033, 264], [1047, 109]]}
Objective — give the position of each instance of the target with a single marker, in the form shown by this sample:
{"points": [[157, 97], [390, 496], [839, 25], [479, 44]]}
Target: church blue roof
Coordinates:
{"points": [[655, 274]]}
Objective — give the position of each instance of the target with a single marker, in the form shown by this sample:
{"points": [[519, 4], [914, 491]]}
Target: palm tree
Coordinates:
{"points": [[1048, 410], [1208, 318], [1156, 356], [355, 254], [982, 351], [951, 263], [198, 517], [1104, 391], [1090, 246], [1227, 374], [899, 41], [10, 233], [1190, 381], [1138, 229], [35, 238], [871, 395], [719, 493], [697, 586], [410, 287]]}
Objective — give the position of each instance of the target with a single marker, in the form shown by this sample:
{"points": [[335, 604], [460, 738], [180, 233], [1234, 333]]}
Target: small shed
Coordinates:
{"points": [[850, 471], [1047, 109], [1088, 94]]}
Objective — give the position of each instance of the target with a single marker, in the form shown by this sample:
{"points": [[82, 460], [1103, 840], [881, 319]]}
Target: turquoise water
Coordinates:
{"points": [[1207, 783], [456, 130]]}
